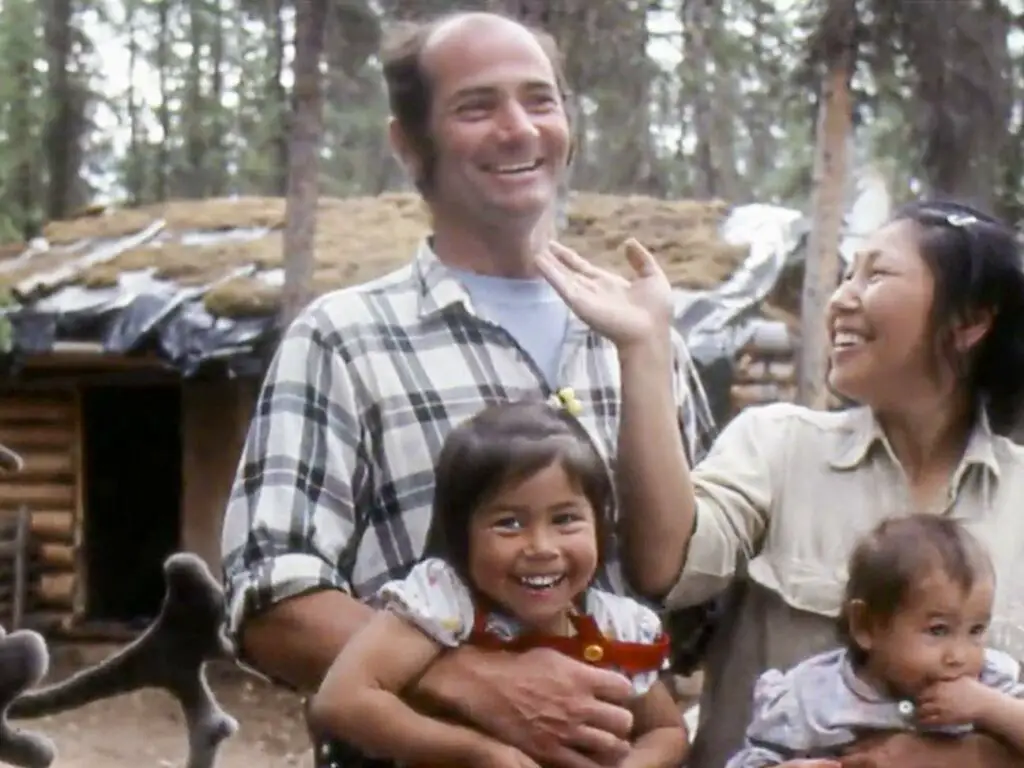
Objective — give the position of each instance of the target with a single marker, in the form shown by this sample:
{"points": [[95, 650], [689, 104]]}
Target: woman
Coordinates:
{"points": [[927, 338]]}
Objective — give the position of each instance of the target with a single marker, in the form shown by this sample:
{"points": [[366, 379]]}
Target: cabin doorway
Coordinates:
{"points": [[132, 443]]}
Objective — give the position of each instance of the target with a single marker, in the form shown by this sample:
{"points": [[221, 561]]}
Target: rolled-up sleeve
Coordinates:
{"points": [[290, 518], [734, 495]]}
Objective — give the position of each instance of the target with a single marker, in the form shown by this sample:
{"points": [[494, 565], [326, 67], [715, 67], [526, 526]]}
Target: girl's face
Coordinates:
{"points": [[938, 635], [533, 548], [879, 321]]}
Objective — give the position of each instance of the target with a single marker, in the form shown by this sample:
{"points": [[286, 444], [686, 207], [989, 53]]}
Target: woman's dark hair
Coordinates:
{"points": [[894, 557], [975, 260], [504, 443], [410, 96]]}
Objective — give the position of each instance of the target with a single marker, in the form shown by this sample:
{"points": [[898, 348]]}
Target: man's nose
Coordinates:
{"points": [[516, 122]]}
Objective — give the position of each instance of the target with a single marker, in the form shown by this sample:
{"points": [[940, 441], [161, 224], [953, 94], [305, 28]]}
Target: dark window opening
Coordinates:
{"points": [[133, 447]]}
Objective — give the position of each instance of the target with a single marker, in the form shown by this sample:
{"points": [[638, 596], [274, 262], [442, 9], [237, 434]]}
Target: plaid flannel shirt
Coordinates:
{"points": [[335, 481]]}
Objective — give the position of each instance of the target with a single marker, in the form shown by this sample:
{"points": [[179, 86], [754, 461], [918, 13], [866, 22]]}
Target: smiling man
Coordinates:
{"points": [[333, 492]]}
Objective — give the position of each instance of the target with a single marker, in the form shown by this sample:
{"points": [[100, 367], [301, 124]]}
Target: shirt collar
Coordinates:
{"points": [[437, 286], [862, 431], [439, 289]]}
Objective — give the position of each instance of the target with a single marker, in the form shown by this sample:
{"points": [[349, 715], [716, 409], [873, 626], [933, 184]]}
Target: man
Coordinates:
{"points": [[334, 487]]}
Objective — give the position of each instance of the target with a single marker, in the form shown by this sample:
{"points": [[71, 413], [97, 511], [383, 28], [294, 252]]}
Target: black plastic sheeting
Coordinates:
{"points": [[142, 314]]}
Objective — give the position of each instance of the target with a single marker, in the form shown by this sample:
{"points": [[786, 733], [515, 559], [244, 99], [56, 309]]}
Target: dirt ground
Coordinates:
{"points": [[145, 729]]}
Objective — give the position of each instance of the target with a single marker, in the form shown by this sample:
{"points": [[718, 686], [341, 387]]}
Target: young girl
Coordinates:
{"points": [[917, 608], [520, 520]]}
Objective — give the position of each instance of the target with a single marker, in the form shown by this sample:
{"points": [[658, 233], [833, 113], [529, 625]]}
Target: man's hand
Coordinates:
{"points": [[558, 711], [911, 750], [953, 702]]}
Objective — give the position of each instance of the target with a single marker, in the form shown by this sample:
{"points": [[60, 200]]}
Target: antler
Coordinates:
{"points": [[24, 660], [171, 654]]}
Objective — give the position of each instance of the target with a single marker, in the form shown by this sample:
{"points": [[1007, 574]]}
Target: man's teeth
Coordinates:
{"points": [[520, 168], [847, 339], [541, 582]]}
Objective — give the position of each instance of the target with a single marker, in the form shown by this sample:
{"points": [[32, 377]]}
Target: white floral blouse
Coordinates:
{"points": [[438, 602]]}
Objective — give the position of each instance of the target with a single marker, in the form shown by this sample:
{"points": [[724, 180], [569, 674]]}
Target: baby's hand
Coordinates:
{"points": [[953, 702]]}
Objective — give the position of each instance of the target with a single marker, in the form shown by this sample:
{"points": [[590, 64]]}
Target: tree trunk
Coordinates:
{"points": [[60, 128], [304, 158], [835, 115]]}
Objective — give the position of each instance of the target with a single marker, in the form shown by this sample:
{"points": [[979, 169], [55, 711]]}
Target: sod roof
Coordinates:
{"points": [[209, 242]]}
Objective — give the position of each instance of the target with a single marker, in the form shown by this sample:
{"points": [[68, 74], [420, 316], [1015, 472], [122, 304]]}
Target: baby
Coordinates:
{"points": [[915, 617]]}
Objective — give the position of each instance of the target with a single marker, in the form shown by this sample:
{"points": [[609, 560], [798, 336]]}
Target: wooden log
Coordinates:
{"points": [[26, 409], [745, 395], [55, 589], [43, 494], [771, 339], [765, 378], [54, 556], [51, 591], [47, 465], [21, 438], [53, 524]]}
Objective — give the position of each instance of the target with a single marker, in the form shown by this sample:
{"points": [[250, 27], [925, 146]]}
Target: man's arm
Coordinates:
{"points": [[291, 516], [291, 520]]}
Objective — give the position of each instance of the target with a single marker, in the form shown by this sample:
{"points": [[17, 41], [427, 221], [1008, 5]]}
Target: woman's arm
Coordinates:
{"points": [[969, 700], [658, 517], [359, 700], [660, 739], [1003, 715]]}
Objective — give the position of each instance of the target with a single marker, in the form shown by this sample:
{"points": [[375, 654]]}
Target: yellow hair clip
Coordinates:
{"points": [[566, 398]]}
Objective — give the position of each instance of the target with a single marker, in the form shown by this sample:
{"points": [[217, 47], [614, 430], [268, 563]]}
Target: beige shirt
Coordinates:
{"points": [[782, 497]]}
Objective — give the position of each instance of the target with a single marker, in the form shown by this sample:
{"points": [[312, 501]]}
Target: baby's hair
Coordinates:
{"points": [[893, 558], [504, 443]]}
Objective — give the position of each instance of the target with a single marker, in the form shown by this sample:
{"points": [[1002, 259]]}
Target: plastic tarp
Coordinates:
{"points": [[143, 313]]}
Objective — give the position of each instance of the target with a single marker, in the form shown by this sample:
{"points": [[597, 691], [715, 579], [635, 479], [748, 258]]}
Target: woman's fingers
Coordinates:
{"points": [[573, 260], [580, 266], [566, 282], [640, 259]]}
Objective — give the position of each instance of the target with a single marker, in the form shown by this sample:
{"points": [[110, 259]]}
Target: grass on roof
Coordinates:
{"points": [[359, 239]]}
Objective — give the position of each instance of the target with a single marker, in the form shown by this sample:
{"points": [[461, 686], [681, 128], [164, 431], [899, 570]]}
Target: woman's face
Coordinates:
{"points": [[879, 321]]}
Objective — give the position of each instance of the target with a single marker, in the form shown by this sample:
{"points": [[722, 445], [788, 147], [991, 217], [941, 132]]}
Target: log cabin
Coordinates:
{"points": [[133, 342]]}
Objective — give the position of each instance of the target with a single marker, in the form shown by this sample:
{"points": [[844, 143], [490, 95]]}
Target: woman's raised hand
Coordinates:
{"points": [[626, 311]]}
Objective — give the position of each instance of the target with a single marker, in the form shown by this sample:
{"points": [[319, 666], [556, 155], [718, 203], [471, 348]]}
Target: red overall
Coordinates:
{"points": [[588, 645]]}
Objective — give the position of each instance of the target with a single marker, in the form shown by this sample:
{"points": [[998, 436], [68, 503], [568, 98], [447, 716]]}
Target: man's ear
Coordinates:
{"points": [[404, 150]]}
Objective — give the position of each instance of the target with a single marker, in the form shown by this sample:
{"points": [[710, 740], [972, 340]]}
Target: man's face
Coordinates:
{"points": [[498, 124]]}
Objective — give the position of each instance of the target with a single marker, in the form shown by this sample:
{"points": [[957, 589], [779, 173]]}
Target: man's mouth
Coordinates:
{"points": [[541, 583], [512, 169]]}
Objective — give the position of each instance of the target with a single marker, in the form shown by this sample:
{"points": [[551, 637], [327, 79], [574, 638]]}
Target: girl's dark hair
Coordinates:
{"points": [[891, 560], [410, 96], [975, 260], [504, 443]]}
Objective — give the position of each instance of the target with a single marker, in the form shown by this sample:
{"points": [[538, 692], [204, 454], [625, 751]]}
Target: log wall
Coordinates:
{"points": [[44, 426], [765, 367]]}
